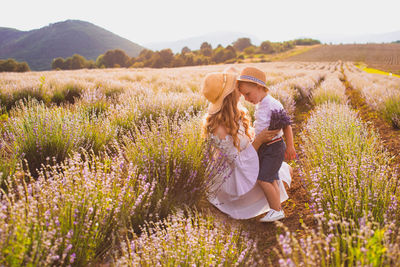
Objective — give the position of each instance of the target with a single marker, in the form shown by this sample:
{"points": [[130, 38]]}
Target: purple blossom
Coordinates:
{"points": [[279, 120]]}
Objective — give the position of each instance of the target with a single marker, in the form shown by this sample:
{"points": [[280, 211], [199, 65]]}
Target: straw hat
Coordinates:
{"points": [[216, 86], [253, 75]]}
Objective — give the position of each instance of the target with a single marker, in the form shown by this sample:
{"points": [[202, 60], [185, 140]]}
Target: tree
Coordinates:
{"points": [[306, 41], [166, 56], [229, 53], [206, 49], [266, 47], [100, 62], [23, 67], [11, 65], [156, 61], [249, 50], [58, 63], [77, 62], [185, 50], [115, 57], [242, 43]]}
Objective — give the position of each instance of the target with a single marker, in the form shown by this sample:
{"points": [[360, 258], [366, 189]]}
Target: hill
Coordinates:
{"points": [[223, 38], [62, 39], [380, 56], [386, 37]]}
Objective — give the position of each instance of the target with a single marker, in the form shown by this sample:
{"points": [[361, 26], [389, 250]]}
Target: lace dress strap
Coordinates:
{"points": [[225, 145]]}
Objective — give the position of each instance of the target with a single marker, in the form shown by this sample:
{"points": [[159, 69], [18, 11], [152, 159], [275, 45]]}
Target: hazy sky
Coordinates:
{"points": [[148, 21]]}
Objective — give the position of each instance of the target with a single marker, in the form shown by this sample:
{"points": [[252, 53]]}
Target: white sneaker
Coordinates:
{"points": [[273, 215]]}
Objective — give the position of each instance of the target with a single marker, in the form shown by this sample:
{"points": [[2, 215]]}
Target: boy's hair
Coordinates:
{"points": [[255, 84]]}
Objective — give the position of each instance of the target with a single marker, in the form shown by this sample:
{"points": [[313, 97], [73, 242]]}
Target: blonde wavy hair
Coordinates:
{"points": [[228, 117]]}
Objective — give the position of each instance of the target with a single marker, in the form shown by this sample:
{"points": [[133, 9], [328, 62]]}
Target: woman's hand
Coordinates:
{"points": [[263, 137], [267, 135]]}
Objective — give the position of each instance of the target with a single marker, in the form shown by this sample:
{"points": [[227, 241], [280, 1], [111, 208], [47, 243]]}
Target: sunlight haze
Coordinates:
{"points": [[158, 21]]}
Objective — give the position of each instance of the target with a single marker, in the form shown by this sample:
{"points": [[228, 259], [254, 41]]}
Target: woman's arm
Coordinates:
{"points": [[263, 137]]}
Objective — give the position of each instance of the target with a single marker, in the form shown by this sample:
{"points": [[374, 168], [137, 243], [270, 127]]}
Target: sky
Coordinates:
{"points": [[149, 21]]}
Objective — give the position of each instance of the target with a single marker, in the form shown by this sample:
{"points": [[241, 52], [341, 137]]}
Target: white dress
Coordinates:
{"points": [[236, 191]]}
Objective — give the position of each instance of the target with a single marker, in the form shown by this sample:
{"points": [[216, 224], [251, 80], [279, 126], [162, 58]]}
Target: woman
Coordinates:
{"points": [[236, 192]]}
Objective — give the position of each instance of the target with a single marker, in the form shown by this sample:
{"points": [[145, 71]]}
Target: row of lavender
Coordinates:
{"points": [[113, 165], [353, 189], [81, 181], [381, 92]]}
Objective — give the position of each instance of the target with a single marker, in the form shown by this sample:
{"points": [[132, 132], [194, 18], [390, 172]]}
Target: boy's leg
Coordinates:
{"points": [[276, 186], [271, 194]]}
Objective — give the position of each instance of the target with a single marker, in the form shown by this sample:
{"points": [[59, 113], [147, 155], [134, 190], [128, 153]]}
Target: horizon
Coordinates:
{"points": [[177, 20]]}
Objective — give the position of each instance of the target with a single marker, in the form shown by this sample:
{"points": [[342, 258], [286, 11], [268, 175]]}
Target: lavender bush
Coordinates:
{"points": [[353, 195], [73, 212], [38, 133], [338, 243], [173, 154], [345, 166], [194, 240]]}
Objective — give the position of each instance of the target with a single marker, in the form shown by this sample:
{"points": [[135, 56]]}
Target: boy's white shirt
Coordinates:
{"points": [[263, 114]]}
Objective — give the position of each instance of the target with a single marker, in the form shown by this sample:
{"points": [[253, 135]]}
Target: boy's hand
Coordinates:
{"points": [[290, 153]]}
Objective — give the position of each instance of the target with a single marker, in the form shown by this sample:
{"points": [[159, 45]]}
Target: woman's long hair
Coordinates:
{"points": [[228, 117]]}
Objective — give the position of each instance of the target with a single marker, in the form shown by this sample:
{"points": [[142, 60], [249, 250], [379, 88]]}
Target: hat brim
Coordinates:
{"points": [[251, 81], [217, 105]]}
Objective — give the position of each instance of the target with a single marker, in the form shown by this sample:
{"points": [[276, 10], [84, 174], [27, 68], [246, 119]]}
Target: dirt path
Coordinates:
{"points": [[295, 208], [390, 136]]}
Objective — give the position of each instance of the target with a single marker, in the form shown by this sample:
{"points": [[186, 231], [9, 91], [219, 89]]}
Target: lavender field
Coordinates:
{"points": [[110, 168]]}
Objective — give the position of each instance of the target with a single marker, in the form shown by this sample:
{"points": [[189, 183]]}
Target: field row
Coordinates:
{"points": [[107, 165]]}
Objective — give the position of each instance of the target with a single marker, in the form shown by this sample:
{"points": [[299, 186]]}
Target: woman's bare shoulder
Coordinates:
{"points": [[221, 132]]}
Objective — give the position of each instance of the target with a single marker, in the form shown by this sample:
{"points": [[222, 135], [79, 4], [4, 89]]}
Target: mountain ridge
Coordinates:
{"points": [[39, 47]]}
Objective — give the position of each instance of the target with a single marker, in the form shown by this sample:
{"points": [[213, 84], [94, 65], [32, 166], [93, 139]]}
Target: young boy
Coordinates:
{"points": [[269, 114]]}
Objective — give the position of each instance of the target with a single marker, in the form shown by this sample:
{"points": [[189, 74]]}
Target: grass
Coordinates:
{"points": [[391, 110], [278, 56], [375, 71]]}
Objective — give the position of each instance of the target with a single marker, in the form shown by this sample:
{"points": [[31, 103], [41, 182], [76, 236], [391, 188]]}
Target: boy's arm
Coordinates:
{"points": [[290, 152]]}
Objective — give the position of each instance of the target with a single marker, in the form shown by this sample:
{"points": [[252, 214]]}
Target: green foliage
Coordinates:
{"points": [[391, 110], [172, 153], [38, 133], [72, 63], [206, 49], [11, 65], [355, 179], [166, 58], [72, 213], [114, 58], [241, 43], [189, 240], [306, 41]]}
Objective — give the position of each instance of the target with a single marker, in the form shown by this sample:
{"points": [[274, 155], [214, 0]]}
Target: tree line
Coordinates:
{"points": [[235, 52], [11, 65], [206, 55]]}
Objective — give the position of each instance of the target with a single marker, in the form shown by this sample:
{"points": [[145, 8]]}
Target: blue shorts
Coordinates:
{"points": [[271, 158]]}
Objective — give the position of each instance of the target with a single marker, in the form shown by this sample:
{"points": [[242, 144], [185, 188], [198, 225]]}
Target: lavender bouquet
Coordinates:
{"points": [[279, 119]]}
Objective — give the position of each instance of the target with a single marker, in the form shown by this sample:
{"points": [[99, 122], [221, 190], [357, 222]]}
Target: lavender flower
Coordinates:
{"points": [[279, 120]]}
